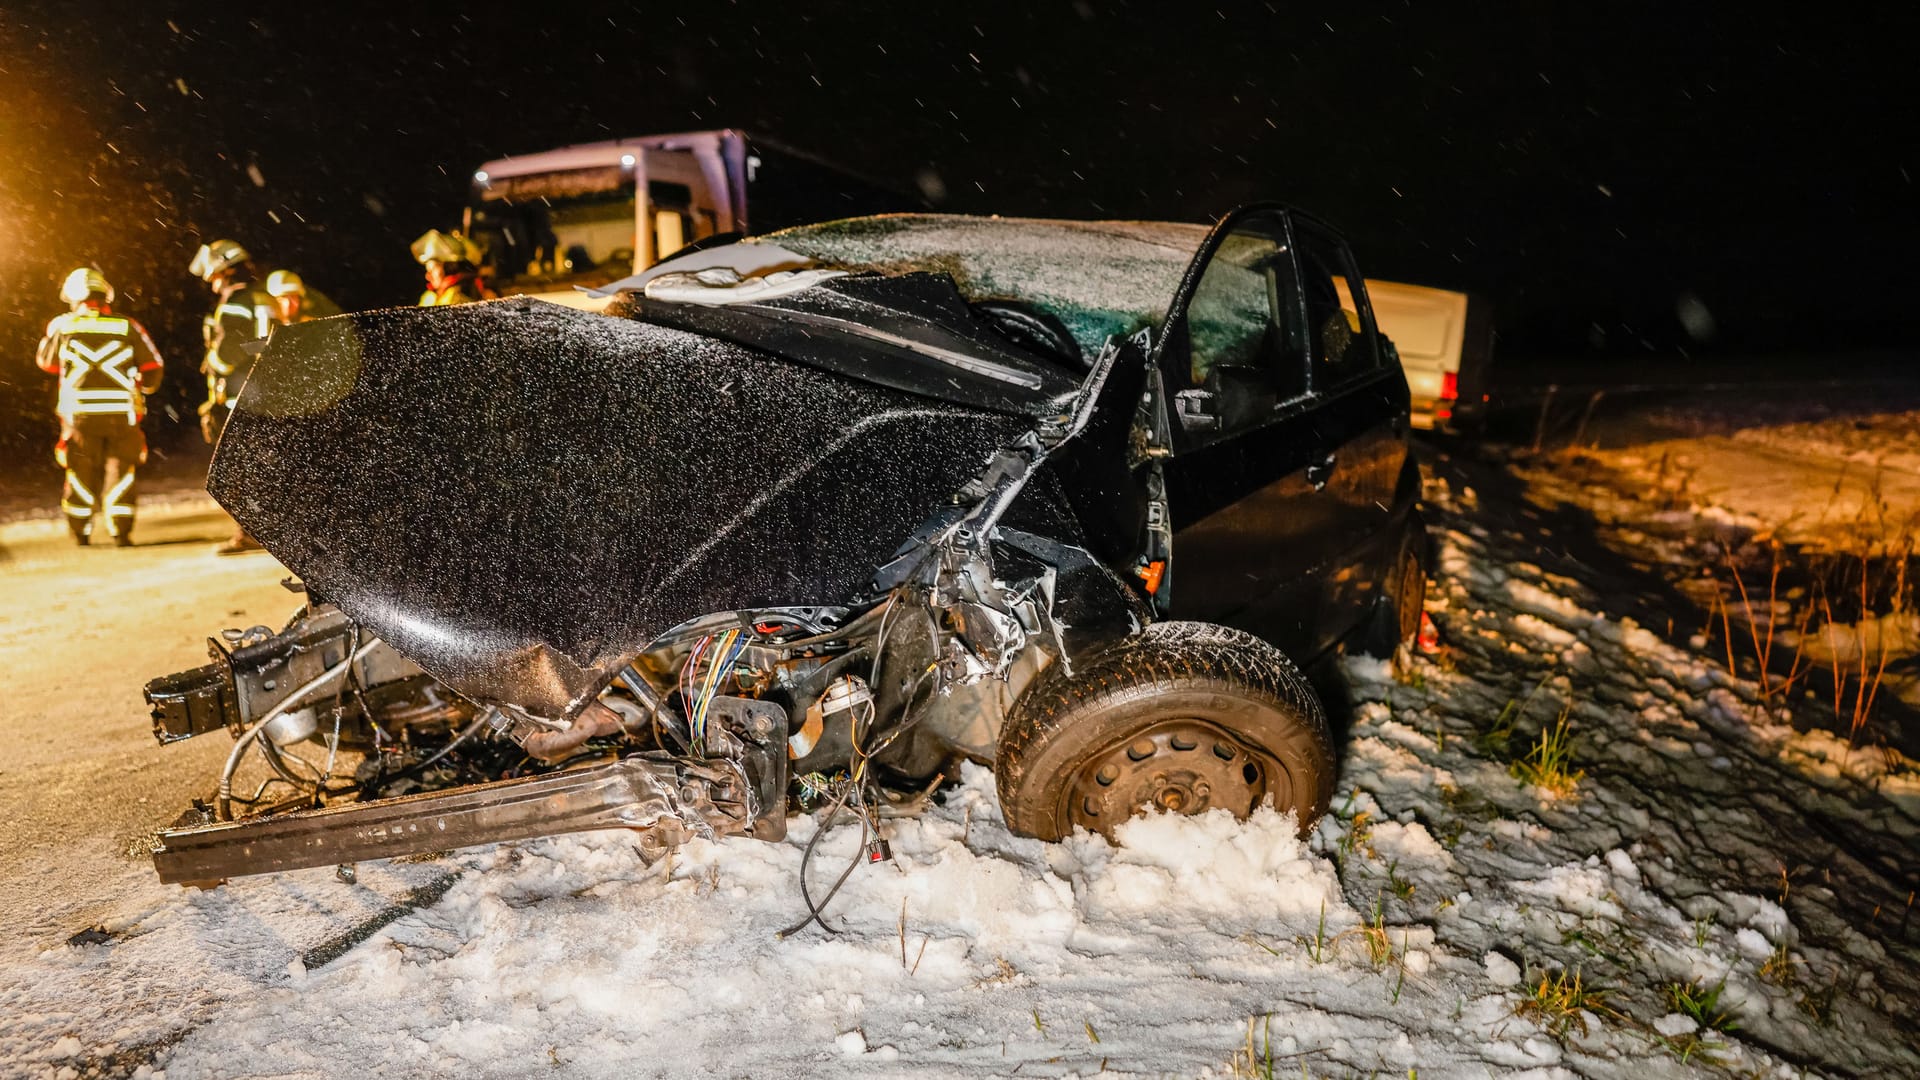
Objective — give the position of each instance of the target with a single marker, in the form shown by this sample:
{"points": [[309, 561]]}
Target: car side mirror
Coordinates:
{"points": [[1198, 410]]}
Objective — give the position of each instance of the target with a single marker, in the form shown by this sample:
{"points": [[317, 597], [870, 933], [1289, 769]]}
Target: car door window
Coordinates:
{"points": [[1340, 327], [1244, 356]]}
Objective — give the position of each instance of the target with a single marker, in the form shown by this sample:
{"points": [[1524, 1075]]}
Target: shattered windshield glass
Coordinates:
{"points": [[1100, 278]]}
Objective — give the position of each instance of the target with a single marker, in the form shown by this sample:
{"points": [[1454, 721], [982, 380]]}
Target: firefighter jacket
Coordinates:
{"points": [[456, 289], [107, 364], [242, 316]]}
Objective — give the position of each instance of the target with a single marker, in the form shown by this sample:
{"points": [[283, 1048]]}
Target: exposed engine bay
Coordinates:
{"points": [[346, 751]]}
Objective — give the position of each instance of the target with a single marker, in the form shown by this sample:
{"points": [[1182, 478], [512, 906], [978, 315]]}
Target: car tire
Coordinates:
{"points": [[1396, 621], [1183, 716]]}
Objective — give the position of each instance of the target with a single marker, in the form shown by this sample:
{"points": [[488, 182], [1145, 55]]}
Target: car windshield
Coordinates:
{"points": [[1100, 278], [555, 229]]}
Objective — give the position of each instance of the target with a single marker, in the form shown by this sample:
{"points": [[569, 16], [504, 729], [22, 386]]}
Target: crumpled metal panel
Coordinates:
{"points": [[520, 497]]}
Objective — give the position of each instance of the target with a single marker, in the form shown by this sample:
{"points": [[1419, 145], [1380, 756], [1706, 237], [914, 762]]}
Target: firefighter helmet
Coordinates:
{"points": [[285, 283], [436, 246], [213, 258], [85, 282]]}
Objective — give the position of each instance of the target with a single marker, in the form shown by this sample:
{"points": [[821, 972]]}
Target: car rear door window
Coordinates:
{"points": [[1244, 355], [1338, 324]]}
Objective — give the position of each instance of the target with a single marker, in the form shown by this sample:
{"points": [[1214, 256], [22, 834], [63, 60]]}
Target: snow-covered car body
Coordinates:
{"points": [[891, 468]]}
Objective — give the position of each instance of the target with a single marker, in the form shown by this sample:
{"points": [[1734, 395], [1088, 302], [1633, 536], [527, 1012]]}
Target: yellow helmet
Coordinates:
{"points": [[212, 258], [84, 282], [436, 246], [285, 283]]}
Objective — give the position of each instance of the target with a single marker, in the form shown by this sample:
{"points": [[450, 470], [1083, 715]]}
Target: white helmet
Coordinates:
{"points": [[436, 246], [285, 283], [82, 283], [215, 257]]}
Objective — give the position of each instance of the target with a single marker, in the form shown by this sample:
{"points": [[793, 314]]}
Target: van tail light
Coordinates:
{"points": [[1449, 393]]}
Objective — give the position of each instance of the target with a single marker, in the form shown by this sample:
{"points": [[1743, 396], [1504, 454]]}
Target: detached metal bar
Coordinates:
{"points": [[634, 793]]}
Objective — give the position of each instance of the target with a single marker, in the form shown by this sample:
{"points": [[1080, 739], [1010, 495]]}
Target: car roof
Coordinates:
{"points": [[1100, 278]]}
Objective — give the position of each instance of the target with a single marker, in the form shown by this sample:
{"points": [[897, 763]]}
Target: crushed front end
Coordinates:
{"points": [[675, 583], [346, 751]]}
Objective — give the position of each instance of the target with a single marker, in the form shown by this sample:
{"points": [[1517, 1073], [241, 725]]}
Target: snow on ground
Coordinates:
{"points": [[1705, 846], [1811, 478], [1807, 498]]}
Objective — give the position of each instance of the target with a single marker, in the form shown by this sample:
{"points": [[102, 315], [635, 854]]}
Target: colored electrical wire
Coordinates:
{"points": [[697, 688]]}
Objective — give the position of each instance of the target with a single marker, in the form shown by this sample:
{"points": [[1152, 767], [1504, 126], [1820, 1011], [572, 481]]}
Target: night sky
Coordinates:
{"points": [[1589, 171]]}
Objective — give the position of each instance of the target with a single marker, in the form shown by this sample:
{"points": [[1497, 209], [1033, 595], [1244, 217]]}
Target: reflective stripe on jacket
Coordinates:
{"points": [[243, 314], [107, 364]]}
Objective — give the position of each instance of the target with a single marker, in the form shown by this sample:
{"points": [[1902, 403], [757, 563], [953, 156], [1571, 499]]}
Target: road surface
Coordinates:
{"points": [[81, 631]]}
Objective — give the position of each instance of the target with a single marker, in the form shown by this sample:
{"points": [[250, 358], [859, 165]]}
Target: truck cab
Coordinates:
{"points": [[554, 224]]}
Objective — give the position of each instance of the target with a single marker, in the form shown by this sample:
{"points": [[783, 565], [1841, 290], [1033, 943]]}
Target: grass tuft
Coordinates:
{"points": [[1701, 1002], [1561, 1002], [1778, 968], [1373, 934], [1402, 887], [1317, 948], [1255, 1060], [1549, 765], [1703, 930]]}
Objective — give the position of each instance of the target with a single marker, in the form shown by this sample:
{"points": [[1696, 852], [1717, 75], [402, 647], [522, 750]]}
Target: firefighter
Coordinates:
{"points": [[107, 366], [290, 302], [243, 312], [451, 261]]}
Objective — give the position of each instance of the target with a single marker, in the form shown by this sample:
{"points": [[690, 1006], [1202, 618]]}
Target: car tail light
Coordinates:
{"points": [[1449, 393]]}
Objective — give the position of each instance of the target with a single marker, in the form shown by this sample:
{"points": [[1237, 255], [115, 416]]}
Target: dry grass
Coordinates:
{"points": [[1779, 969], [1867, 571], [1254, 1061]]}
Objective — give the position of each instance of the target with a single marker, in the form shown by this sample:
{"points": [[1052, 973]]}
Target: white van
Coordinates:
{"points": [[1444, 339]]}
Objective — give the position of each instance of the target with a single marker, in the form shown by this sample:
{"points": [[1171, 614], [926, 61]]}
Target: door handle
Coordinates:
{"points": [[1319, 471]]}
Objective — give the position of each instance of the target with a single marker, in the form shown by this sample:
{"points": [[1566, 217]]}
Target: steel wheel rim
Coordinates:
{"points": [[1409, 606], [1180, 766]]}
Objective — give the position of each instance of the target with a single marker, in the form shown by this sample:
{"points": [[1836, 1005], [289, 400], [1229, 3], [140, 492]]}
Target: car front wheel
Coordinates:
{"points": [[1182, 718]]}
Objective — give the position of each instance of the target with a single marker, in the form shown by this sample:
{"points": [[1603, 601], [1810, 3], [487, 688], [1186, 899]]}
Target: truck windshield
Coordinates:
{"points": [[555, 229]]}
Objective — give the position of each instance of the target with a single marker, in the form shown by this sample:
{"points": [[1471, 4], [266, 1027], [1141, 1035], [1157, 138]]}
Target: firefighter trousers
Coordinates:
{"points": [[92, 488]]}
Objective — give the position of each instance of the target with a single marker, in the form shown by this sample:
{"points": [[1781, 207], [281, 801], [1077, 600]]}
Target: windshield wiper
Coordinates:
{"points": [[971, 364]]}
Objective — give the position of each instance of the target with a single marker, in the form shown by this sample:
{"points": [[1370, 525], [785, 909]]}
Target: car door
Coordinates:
{"points": [[1250, 529], [1360, 417]]}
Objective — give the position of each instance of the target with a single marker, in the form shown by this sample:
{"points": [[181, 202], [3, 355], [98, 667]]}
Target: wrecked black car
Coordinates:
{"points": [[801, 521]]}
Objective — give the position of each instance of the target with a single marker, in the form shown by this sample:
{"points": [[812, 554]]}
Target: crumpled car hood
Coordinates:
{"points": [[521, 497]]}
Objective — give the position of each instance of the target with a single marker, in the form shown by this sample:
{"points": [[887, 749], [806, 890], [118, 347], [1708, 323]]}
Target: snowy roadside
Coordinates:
{"points": [[1799, 538], [1811, 481], [1709, 858]]}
